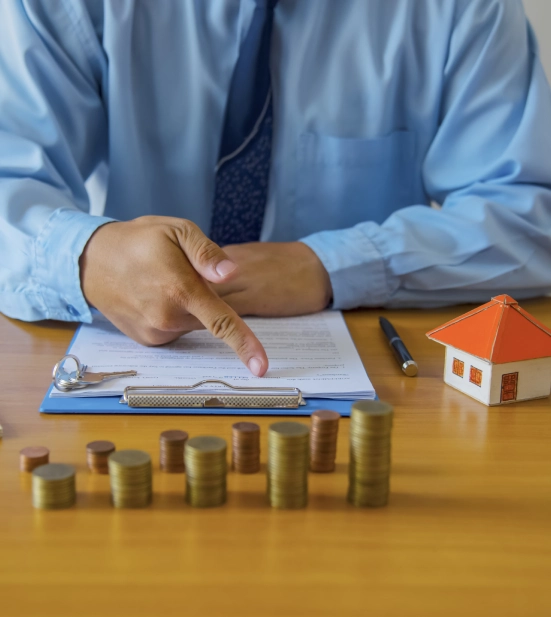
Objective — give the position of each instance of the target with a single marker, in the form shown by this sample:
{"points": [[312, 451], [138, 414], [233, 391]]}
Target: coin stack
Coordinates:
{"points": [[323, 440], [97, 454], [206, 470], [288, 465], [130, 473], [246, 447], [370, 428], [32, 457], [172, 444], [54, 486]]}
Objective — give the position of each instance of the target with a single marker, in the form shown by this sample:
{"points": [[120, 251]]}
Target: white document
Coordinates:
{"points": [[314, 353]]}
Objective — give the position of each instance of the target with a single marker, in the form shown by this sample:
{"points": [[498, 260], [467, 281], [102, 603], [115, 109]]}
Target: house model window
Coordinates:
{"points": [[458, 367], [475, 376]]}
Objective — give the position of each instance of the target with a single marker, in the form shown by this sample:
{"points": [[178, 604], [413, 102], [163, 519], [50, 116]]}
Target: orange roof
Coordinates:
{"points": [[499, 331]]}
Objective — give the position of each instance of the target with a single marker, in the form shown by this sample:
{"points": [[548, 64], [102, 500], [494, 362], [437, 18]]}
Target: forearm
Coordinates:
{"points": [[421, 257], [39, 256]]}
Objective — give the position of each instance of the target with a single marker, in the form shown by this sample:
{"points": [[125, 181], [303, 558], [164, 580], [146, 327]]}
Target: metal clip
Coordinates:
{"points": [[227, 396]]}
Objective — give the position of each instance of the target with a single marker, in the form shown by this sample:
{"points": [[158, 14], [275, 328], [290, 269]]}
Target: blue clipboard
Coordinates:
{"points": [[111, 405]]}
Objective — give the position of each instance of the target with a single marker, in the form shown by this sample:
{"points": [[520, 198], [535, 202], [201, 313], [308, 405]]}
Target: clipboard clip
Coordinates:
{"points": [[203, 394]]}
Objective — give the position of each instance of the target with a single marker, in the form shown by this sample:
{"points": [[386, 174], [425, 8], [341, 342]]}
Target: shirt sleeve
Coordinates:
{"points": [[489, 167], [53, 132]]}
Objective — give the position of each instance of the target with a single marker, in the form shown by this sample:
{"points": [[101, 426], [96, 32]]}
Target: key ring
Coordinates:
{"points": [[65, 381]]}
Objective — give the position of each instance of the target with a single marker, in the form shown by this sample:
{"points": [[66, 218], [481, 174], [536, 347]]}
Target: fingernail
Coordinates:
{"points": [[225, 267], [255, 366]]}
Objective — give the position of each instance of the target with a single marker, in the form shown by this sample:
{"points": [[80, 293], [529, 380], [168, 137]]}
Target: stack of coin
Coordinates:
{"points": [[172, 445], [54, 486], [32, 457], [206, 470], [130, 474], [246, 447], [323, 440], [97, 454], [288, 465], [370, 428]]}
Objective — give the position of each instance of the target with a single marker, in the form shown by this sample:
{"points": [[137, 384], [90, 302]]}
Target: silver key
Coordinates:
{"points": [[88, 378], [81, 377]]}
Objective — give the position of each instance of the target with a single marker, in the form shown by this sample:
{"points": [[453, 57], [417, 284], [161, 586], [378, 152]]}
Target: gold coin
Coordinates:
{"points": [[288, 462], [130, 474], [206, 470], [53, 486], [288, 430], [370, 449]]}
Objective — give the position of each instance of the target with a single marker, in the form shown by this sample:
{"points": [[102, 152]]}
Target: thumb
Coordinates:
{"points": [[206, 257]]}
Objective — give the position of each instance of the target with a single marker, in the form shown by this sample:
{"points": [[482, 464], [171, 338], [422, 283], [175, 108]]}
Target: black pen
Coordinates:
{"points": [[402, 355]]}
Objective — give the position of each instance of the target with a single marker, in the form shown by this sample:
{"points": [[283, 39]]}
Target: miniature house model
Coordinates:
{"points": [[497, 353]]}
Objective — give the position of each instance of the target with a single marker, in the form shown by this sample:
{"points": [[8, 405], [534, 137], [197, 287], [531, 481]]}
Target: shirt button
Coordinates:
{"points": [[72, 310]]}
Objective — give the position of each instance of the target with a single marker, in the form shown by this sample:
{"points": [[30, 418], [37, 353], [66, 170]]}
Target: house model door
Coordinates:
{"points": [[509, 383]]}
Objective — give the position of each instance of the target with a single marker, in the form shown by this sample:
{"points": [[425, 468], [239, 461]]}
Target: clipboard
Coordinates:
{"points": [[113, 405]]}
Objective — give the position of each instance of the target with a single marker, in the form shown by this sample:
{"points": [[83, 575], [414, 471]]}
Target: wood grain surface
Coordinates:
{"points": [[467, 531]]}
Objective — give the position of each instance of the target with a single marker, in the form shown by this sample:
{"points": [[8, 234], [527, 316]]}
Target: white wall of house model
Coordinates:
{"points": [[533, 379]]}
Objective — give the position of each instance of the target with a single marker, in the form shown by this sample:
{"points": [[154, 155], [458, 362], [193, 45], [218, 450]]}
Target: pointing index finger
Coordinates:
{"points": [[224, 323]]}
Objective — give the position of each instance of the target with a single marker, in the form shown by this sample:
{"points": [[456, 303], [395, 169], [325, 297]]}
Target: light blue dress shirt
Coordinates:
{"points": [[380, 108]]}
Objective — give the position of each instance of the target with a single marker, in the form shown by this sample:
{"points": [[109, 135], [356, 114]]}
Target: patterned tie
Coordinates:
{"points": [[243, 168]]}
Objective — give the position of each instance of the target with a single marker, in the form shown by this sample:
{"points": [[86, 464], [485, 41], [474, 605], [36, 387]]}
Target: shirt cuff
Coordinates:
{"points": [[355, 266], [56, 269]]}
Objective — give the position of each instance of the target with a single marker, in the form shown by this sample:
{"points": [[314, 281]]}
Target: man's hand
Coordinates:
{"points": [[275, 279], [148, 277]]}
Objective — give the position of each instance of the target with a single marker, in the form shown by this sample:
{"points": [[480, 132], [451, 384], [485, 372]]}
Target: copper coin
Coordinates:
{"points": [[324, 415], [100, 447], [246, 447], [174, 435], [35, 452], [248, 427], [323, 440], [32, 457], [245, 436]]}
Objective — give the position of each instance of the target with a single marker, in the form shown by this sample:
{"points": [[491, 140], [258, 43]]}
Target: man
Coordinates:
{"points": [[375, 109]]}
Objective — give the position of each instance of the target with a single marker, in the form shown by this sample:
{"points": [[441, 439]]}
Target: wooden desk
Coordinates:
{"points": [[467, 532]]}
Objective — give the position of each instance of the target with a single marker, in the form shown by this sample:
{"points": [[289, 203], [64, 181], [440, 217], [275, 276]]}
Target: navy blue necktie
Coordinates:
{"points": [[243, 168]]}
